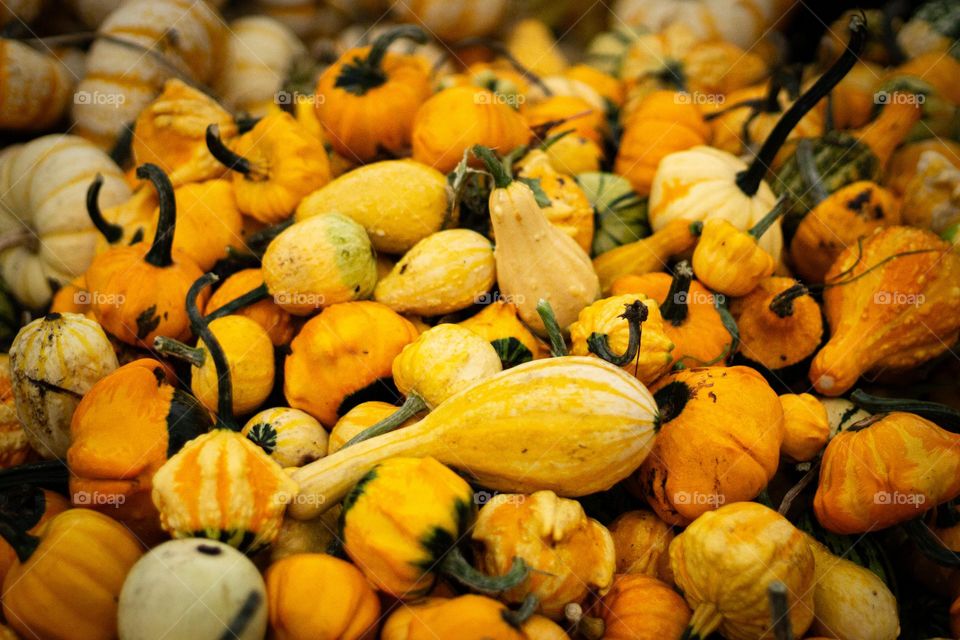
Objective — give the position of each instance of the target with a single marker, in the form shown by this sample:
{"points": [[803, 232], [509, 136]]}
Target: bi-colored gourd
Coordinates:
{"points": [[725, 561], [597, 418], [806, 428], [54, 361], [213, 588], [291, 437], [570, 555], [621, 215], [499, 323], [33, 508], [445, 272], [641, 541]]}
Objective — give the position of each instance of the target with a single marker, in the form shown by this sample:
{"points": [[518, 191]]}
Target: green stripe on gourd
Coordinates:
{"points": [[620, 215]]}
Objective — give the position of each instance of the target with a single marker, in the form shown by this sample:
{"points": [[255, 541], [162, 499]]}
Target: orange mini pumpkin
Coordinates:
{"points": [[639, 607], [230, 298]]}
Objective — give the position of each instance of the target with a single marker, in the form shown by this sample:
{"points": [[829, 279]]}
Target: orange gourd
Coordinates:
{"points": [[641, 541]]}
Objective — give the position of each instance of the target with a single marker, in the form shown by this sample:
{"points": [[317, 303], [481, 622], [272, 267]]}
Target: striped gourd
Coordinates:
{"points": [[120, 80], [291, 437], [258, 56], [54, 360], [574, 425], [35, 87], [45, 233]]}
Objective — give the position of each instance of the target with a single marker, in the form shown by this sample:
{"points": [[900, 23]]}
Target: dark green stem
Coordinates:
{"points": [[225, 155], [749, 180], [362, 74], [111, 232], [250, 297], [635, 314], [200, 327], [558, 347], [501, 178], [413, 405], [930, 545], [782, 303], [161, 251], [675, 308], [516, 618], [943, 415], [780, 611], [457, 567], [22, 542], [767, 221], [176, 349]]}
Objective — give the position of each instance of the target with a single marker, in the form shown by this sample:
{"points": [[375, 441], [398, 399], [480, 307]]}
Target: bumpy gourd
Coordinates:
{"points": [[569, 208], [642, 542]]}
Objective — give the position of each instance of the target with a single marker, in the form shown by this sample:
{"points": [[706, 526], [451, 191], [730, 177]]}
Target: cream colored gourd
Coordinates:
{"points": [[258, 54], [291, 437], [46, 233], [398, 202], [536, 260], [35, 88], [573, 425], [850, 602], [445, 272], [54, 360]]}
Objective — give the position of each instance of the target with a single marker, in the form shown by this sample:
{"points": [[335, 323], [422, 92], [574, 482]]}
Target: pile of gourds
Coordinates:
{"points": [[447, 329]]}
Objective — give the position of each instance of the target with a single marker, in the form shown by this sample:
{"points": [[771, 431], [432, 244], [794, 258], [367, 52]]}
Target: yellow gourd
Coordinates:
{"points": [[805, 426], [642, 542], [645, 255], [569, 208]]}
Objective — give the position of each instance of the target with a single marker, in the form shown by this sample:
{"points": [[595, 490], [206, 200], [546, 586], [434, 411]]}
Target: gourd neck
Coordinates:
{"points": [[782, 303], [245, 300], [201, 328], [582, 625], [413, 405], [675, 308], [500, 172], [750, 179], [227, 156], [764, 224], [558, 346], [161, 250], [112, 233], [635, 313], [365, 73], [456, 566]]}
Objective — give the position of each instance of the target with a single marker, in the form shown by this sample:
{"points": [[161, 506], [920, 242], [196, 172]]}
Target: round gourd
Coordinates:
{"points": [[445, 272], [639, 607], [467, 617], [192, 588], [642, 541], [499, 323], [54, 360], [249, 354], [805, 426], [319, 262], [291, 437]]}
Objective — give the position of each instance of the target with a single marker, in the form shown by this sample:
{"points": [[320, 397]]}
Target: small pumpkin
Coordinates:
{"points": [[37, 86], [641, 541], [291, 437], [692, 469], [213, 588], [569, 208], [268, 314], [645, 255], [368, 98], [895, 305], [436, 506], [273, 166], [140, 288], [875, 474], [569, 554], [499, 323], [724, 562], [33, 508], [445, 272], [14, 445], [78, 546], [779, 323], [360, 418], [806, 428], [54, 361], [298, 582], [639, 607]]}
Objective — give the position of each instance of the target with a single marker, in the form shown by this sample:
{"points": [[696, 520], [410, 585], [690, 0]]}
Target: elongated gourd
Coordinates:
{"points": [[646, 255], [536, 260], [574, 425]]}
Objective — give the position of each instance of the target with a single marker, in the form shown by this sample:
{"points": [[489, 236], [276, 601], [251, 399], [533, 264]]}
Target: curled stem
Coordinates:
{"points": [[161, 250], [245, 300], [635, 314], [227, 156], [111, 232], [782, 303], [201, 328], [364, 73], [675, 307]]}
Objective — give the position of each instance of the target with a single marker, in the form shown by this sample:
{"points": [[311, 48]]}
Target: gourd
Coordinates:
{"points": [[298, 582], [806, 429], [445, 272], [932, 197], [607, 85], [641, 542], [779, 322], [569, 554], [141, 288], [534, 46], [368, 98], [703, 182], [221, 485], [662, 123], [691, 320], [212, 587], [621, 215], [289, 436], [124, 78], [637, 607], [34, 507], [561, 274], [170, 132], [54, 361], [319, 262], [345, 350], [454, 120], [123, 224], [850, 601], [36, 88], [559, 113], [852, 101], [436, 506], [646, 255], [358, 419], [14, 446], [609, 319], [499, 323], [901, 283], [569, 209], [874, 474], [112, 461], [311, 536], [838, 221], [398, 202], [597, 439], [46, 231], [268, 314], [76, 547], [719, 431], [441, 362], [467, 617], [258, 54], [725, 561], [274, 165], [454, 22]]}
